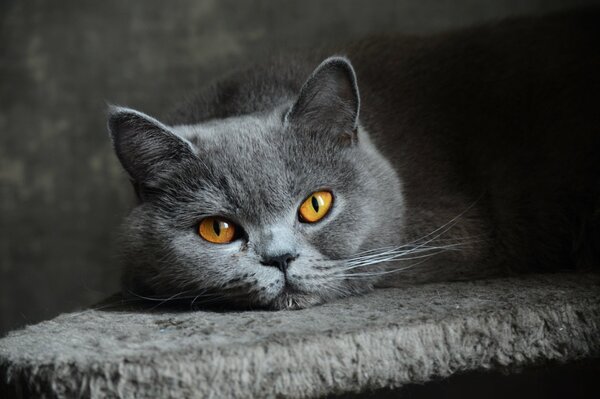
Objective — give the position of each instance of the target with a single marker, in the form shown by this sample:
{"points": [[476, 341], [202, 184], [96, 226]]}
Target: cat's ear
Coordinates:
{"points": [[145, 146], [329, 99]]}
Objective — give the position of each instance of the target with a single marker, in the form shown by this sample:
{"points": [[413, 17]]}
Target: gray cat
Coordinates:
{"points": [[406, 160]]}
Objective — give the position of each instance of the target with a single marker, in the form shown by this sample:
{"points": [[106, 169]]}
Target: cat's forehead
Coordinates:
{"points": [[248, 168], [244, 130], [257, 147], [251, 166]]}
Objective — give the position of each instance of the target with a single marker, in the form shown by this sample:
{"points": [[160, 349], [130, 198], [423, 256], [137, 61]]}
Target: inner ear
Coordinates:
{"points": [[146, 147], [329, 99]]}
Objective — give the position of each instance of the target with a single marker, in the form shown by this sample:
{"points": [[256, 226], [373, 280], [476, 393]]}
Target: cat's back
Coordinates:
{"points": [[506, 113]]}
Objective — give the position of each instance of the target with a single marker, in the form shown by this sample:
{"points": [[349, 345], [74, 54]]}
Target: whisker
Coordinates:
{"points": [[376, 274], [155, 298], [387, 256], [438, 232], [416, 249], [392, 258], [168, 299], [449, 224]]}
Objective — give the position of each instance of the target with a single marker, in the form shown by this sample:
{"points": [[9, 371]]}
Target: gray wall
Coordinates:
{"points": [[62, 191]]}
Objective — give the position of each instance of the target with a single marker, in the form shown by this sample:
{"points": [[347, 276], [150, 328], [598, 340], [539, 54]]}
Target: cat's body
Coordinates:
{"points": [[470, 153]]}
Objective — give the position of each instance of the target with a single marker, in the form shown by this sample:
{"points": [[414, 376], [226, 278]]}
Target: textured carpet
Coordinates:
{"points": [[389, 338]]}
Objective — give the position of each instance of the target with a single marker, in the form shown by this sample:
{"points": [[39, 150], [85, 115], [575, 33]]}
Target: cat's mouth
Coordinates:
{"points": [[291, 298]]}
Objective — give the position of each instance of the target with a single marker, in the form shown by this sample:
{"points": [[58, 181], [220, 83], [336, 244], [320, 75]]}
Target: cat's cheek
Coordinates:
{"points": [[339, 240]]}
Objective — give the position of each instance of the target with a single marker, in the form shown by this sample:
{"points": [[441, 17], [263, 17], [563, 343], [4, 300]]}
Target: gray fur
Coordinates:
{"points": [[255, 170], [437, 171]]}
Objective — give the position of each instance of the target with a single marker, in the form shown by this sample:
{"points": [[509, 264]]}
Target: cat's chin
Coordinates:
{"points": [[294, 300]]}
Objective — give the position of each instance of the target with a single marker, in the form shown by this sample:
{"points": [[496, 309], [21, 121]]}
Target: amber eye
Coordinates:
{"points": [[217, 231], [315, 207]]}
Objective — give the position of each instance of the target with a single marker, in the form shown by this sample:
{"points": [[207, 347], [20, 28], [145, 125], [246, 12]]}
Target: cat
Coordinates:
{"points": [[393, 160]]}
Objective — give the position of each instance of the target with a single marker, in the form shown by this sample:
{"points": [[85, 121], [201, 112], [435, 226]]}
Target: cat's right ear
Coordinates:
{"points": [[145, 146], [328, 101]]}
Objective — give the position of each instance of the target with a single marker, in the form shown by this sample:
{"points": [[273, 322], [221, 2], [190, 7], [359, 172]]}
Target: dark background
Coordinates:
{"points": [[63, 193]]}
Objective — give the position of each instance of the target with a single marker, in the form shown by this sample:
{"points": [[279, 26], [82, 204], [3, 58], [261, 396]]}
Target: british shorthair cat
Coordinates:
{"points": [[393, 160]]}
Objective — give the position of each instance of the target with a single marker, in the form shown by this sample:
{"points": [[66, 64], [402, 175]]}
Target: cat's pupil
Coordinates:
{"points": [[217, 227], [315, 204]]}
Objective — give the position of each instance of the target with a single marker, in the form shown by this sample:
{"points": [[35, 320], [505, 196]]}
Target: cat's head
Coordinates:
{"points": [[261, 210]]}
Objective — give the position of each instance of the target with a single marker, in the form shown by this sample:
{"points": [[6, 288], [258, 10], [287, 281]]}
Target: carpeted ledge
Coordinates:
{"points": [[385, 339]]}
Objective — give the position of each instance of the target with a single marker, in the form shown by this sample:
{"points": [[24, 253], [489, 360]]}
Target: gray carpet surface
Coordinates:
{"points": [[388, 338]]}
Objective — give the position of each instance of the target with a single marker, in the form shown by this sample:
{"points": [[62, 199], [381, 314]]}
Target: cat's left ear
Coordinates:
{"points": [[329, 100], [146, 148]]}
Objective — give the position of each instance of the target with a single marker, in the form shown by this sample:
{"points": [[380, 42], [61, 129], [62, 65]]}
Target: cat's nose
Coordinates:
{"points": [[281, 262]]}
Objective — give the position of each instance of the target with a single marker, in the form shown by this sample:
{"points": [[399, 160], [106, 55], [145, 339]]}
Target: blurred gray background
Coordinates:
{"points": [[63, 193]]}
